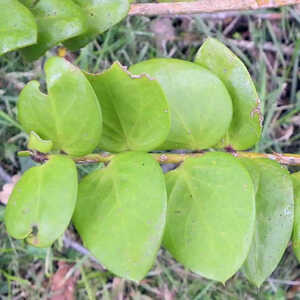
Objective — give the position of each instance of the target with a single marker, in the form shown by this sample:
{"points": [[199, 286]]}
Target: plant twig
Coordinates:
{"points": [[287, 282], [233, 14], [250, 45], [174, 158], [4, 176], [204, 6], [79, 248]]}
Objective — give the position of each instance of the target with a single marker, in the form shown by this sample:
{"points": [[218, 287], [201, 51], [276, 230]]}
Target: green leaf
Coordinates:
{"points": [[57, 21], [211, 215], [69, 116], [36, 143], [274, 218], [245, 129], [42, 202], [200, 105], [120, 213], [135, 111], [296, 230], [17, 26], [101, 15]]}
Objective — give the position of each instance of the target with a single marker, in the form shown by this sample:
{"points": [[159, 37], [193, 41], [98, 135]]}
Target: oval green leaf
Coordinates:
{"points": [[101, 15], [135, 110], [120, 213], [69, 116], [274, 218], [17, 26], [245, 128], [296, 230], [200, 105], [57, 20], [42, 202], [211, 215]]}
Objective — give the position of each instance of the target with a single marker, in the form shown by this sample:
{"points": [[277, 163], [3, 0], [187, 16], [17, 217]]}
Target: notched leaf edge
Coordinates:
{"points": [[125, 69], [35, 142]]}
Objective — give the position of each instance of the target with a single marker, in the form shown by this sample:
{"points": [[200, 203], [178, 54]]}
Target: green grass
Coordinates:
{"points": [[25, 271]]}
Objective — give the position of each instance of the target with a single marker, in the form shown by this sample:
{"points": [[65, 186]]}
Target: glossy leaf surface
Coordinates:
{"points": [[274, 218], [69, 115], [57, 20], [200, 105], [245, 128], [296, 230], [211, 215], [17, 26], [101, 15], [135, 110], [42, 203], [120, 213]]}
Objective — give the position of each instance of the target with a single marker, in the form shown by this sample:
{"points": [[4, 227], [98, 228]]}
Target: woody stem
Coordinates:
{"points": [[204, 6], [171, 158]]}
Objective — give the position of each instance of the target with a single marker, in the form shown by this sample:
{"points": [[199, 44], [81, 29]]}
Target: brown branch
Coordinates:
{"points": [[268, 46], [79, 248], [173, 158], [233, 14], [204, 6], [5, 176]]}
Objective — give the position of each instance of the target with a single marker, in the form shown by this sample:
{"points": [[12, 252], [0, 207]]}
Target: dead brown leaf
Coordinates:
{"points": [[8, 188], [118, 288], [139, 295], [190, 38], [294, 290], [167, 294], [63, 288], [284, 134], [163, 31], [296, 120]]}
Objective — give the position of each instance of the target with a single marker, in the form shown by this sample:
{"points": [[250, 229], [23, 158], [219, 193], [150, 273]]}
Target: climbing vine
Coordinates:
{"points": [[221, 210]]}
